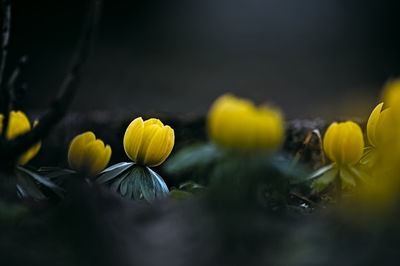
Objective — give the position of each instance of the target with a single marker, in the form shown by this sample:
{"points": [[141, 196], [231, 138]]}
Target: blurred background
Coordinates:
{"points": [[311, 58]]}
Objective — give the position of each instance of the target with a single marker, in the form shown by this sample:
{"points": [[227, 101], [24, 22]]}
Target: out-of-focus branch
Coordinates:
{"points": [[10, 92], [5, 37], [13, 148]]}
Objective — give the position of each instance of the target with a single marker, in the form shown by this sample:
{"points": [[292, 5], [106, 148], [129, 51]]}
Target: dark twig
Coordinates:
{"points": [[5, 37], [305, 144], [11, 93], [13, 148]]}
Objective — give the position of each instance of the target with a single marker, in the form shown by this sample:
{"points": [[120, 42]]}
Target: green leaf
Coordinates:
{"points": [[315, 174], [177, 194], [192, 187], [147, 185], [369, 156], [136, 189], [26, 188], [134, 180], [347, 178], [322, 182], [115, 186], [44, 181], [131, 188], [140, 182], [198, 155], [124, 186], [57, 173], [48, 169], [161, 189], [112, 172], [359, 174]]}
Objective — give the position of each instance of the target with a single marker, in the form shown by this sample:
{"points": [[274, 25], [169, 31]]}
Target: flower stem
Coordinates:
{"points": [[338, 184]]}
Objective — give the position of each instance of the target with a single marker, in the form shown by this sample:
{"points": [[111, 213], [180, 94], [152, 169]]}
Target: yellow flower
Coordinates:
{"points": [[344, 143], [237, 123], [148, 142], [19, 124], [88, 155], [391, 93], [379, 126]]}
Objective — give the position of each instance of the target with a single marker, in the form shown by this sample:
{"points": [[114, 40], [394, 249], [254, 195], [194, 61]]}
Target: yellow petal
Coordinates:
{"points": [[237, 123], [160, 146], [133, 138], [88, 155], [353, 144], [372, 123], [151, 127], [391, 93], [1, 122], [386, 129], [328, 140], [344, 143], [96, 158], [77, 149], [27, 156], [18, 124]]}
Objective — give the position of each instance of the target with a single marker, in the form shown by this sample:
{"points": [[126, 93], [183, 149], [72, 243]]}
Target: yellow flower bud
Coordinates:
{"points": [[148, 142], [380, 126], [237, 123], [344, 143], [19, 124], [391, 93], [88, 155]]}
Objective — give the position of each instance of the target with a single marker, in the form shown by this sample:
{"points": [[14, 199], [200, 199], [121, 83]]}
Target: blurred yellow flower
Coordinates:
{"points": [[391, 93], [344, 143], [148, 142], [379, 126], [237, 123], [88, 155], [19, 124]]}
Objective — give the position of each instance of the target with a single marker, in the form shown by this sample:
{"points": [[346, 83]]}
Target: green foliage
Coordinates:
{"points": [[349, 176], [134, 181], [369, 157], [30, 183], [195, 161], [192, 187], [56, 174], [252, 176], [327, 177], [232, 174], [187, 190], [113, 171], [177, 194], [315, 174]]}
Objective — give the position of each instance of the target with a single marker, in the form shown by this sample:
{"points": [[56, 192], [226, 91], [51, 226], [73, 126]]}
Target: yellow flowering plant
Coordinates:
{"points": [[381, 157], [343, 143], [236, 123], [88, 155], [28, 181], [378, 126], [148, 144], [19, 124], [244, 140]]}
